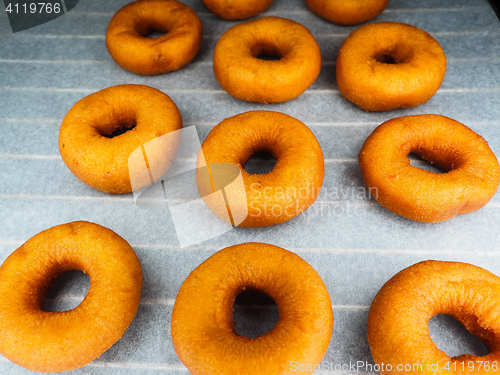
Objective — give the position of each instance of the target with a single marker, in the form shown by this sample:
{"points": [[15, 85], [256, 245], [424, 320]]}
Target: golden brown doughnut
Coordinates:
{"points": [[101, 160], [245, 76], [471, 180], [347, 12], [129, 46], [236, 9], [61, 341], [398, 331], [272, 198], [203, 332], [388, 65]]}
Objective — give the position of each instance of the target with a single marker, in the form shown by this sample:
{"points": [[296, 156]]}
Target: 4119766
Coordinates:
{"points": [[33, 8]]}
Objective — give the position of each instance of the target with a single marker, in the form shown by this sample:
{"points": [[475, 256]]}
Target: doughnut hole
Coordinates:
{"points": [[120, 129], [67, 291], [261, 162], [254, 314], [261, 156], [451, 337], [418, 162], [152, 28], [386, 58], [113, 122], [435, 158], [153, 34], [267, 51], [55, 281], [397, 55]]}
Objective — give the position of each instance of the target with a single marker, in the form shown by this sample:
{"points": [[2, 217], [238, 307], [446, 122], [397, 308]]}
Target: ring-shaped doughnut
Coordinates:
{"points": [[388, 65], [398, 330], [60, 341], [243, 74], [203, 331], [236, 9], [280, 195], [129, 46], [98, 158], [350, 12], [471, 180]]}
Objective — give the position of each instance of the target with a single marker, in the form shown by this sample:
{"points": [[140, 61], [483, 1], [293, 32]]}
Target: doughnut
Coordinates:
{"points": [[349, 12], [471, 180], [243, 74], [129, 46], [60, 341], [398, 331], [236, 9], [93, 149], [203, 331], [388, 65], [272, 198]]}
